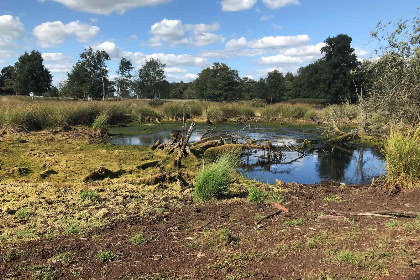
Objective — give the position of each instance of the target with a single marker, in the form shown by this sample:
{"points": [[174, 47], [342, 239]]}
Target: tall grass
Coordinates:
{"points": [[215, 179], [402, 152], [285, 110], [222, 112]]}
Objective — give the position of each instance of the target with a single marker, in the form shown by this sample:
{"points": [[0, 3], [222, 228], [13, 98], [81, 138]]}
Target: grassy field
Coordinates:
{"points": [[75, 207]]}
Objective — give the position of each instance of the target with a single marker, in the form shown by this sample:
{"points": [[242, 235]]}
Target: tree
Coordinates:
{"points": [[276, 87], [289, 78], [7, 80], [331, 76], [247, 88], [124, 82], [394, 92], [341, 60], [218, 83], [150, 79], [178, 90], [89, 76], [30, 74]]}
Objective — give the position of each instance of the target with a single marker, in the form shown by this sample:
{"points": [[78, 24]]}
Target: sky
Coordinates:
{"points": [[251, 36]]}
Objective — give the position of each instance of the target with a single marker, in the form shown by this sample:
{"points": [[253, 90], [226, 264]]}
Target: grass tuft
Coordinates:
{"points": [[214, 180]]}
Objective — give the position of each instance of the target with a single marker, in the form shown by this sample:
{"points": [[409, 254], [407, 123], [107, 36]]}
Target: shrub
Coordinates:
{"points": [[214, 180], [173, 111], [195, 109], [106, 256], [90, 195], [118, 114], [145, 114], [255, 195], [101, 121], [402, 152]]}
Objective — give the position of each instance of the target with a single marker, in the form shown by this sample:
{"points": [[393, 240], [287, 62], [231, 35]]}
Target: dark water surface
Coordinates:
{"points": [[345, 164]]}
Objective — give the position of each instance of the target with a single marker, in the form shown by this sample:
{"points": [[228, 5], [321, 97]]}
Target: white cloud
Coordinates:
{"points": [[275, 4], [51, 34], [360, 53], [266, 18], [251, 52], [175, 70], [237, 5], [310, 50], [2, 61], [202, 28], [57, 62], [106, 7], [278, 41], [134, 37], [285, 59], [171, 60], [236, 43], [205, 39], [185, 78], [11, 28], [174, 32]]}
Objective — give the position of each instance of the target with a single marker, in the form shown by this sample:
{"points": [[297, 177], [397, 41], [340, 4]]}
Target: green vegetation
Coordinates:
{"points": [[106, 256], [402, 151], [255, 195], [90, 195], [214, 180], [138, 239]]}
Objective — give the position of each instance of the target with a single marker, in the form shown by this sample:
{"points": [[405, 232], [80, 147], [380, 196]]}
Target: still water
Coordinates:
{"points": [[344, 164]]}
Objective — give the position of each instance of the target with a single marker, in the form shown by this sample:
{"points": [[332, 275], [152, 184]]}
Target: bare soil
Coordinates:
{"points": [[221, 240]]}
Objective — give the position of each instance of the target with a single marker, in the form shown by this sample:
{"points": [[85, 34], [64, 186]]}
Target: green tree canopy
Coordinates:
{"points": [[276, 87], [89, 76], [124, 82], [6, 79], [30, 74], [330, 77], [150, 79], [218, 83]]}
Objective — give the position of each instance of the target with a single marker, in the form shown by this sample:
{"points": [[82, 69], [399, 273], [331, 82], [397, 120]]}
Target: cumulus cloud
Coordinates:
{"points": [[237, 5], [310, 50], [51, 34], [285, 59], [360, 53], [106, 7], [174, 32], [236, 43], [171, 60], [11, 28], [57, 62], [279, 41], [275, 4], [185, 78], [175, 70]]}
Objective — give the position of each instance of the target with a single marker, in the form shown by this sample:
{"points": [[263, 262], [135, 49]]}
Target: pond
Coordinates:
{"points": [[345, 164]]}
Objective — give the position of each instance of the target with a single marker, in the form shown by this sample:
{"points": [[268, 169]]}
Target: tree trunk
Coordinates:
{"points": [[103, 88]]}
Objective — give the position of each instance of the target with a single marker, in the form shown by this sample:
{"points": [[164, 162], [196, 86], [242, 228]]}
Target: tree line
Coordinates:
{"points": [[337, 77]]}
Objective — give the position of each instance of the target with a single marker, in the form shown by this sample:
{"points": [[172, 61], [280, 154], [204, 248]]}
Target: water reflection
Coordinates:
{"points": [[321, 162]]}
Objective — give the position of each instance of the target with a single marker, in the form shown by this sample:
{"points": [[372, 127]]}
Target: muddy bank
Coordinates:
{"points": [[221, 240]]}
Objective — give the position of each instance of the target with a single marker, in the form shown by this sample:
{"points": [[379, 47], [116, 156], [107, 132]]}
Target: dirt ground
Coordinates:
{"points": [[324, 236]]}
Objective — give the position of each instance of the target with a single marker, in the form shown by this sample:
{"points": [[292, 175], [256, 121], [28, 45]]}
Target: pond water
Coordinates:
{"points": [[346, 164]]}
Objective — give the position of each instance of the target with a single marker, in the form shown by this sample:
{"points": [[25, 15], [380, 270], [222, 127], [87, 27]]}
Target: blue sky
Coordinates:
{"points": [[251, 36]]}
